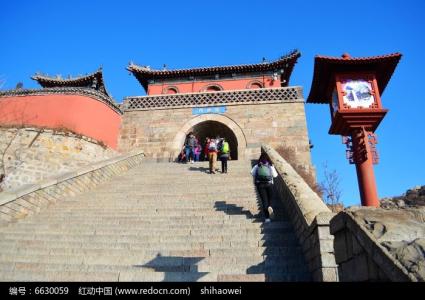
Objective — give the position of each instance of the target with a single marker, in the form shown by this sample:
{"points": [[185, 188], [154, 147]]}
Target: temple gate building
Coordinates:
{"points": [[246, 104]]}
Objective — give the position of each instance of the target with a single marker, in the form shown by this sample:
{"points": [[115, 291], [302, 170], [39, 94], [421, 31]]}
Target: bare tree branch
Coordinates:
{"points": [[331, 186]]}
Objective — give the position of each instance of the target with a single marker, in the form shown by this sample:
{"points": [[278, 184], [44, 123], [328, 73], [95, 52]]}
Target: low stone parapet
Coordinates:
{"points": [[375, 244], [309, 216], [30, 199]]}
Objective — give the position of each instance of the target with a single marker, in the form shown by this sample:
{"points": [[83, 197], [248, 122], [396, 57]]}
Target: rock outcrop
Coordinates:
{"points": [[414, 197]]}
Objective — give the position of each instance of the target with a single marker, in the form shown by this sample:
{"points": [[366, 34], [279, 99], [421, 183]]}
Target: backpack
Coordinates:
{"points": [[225, 149], [264, 174], [212, 146]]}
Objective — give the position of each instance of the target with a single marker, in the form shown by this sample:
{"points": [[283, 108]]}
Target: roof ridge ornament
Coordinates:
{"points": [[346, 55], [92, 80]]}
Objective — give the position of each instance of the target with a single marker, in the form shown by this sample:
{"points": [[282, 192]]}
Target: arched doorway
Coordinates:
{"points": [[212, 125], [212, 129]]}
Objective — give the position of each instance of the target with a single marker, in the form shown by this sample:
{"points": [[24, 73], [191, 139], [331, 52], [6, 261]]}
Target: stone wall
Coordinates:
{"points": [[21, 202], [375, 244], [161, 132], [309, 216], [28, 155]]}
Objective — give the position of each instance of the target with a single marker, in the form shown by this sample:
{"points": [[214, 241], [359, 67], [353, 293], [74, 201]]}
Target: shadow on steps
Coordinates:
{"points": [[175, 268], [233, 209]]}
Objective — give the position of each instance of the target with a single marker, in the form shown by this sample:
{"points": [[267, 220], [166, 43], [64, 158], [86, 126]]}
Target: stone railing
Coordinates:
{"points": [[309, 216], [375, 244], [270, 95], [97, 95], [30, 199]]}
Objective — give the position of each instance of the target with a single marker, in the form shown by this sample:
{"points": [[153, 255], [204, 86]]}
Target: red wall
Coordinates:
{"points": [[80, 114], [198, 86]]}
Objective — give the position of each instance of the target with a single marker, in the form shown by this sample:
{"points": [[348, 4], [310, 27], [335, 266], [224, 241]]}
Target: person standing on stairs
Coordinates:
{"points": [[212, 155], [264, 172], [206, 148], [197, 151], [224, 155]]}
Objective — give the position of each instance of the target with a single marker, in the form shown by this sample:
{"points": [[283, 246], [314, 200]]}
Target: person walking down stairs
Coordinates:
{"points": [[264, 172]]}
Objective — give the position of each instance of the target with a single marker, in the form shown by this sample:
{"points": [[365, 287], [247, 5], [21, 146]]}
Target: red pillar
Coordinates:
{"points": [[364, 167]]}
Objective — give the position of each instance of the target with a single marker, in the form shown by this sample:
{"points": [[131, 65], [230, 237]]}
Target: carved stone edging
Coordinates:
{"points": [[30, 199], [352, 241], [64, 90], [309, 216], [235, 97]]}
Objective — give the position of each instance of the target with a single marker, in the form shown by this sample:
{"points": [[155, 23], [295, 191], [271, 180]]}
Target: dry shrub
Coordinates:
{"points": [[335, 208], [289, 154]]}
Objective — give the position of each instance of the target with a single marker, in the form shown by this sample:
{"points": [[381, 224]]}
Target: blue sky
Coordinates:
{"points": [[76, 37]]}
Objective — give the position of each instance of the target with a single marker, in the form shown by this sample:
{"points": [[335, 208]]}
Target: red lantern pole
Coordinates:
{"points": [[363, 158]]}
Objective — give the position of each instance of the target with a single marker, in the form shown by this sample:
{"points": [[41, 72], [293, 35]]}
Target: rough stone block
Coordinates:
{"points": [[348, 271], [357, 249], [372, 269], [360, 263], [338, 223], [326, 246], [324, 218], [340, 247], [328, 260], [388, 265], [324, 233]]}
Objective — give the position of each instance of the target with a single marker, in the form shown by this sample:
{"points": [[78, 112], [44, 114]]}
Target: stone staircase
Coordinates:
{"points": [[158, 222]]}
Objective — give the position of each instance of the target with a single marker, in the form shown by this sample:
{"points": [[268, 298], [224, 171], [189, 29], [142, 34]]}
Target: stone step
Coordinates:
{"points": [[229, 265], [159, 203], [153, 214], [280, 276], [168, 217], [154, 228], [147, 194], [161, 210], [216, 250], [170, 248], [167, 222], [151, 224], [149, 237], [242, 175], [140, 232], [137, 276], [171, 219], [124, 276], [173, 202], [159, 207], [272, 247], [155, 263], [265, 247]]}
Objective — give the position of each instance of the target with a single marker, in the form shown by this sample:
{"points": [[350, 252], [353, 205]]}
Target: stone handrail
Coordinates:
{"points": [[30, 199], [309, 216]]}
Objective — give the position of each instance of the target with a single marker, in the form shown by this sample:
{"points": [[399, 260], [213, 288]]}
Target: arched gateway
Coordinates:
{"points": [[212, 125], [247, 115]]}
